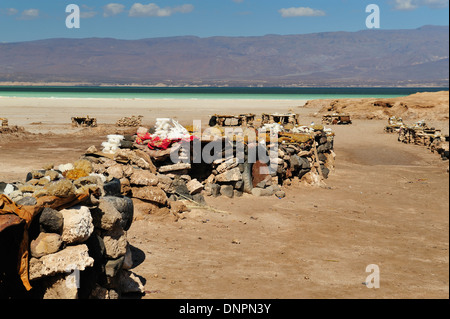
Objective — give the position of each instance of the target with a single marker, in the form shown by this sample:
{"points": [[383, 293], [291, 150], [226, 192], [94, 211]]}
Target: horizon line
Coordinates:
{"points": [[225, 36]]}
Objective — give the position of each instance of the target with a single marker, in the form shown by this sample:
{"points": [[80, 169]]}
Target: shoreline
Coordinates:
{"points": [[32, 101], [163, 85], [146, 99]]}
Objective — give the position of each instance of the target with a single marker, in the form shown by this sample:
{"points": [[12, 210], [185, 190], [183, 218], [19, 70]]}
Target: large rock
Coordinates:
{"points": [[113, 266], [115, 243], [128, 170], [115, 171], [26, 201], [164, 182], [105, 216], [215, 190], [304, 163], [2, 187], [232, 175], [35, 174], [194, 186], [143, 178], [227, 165], [45, 244], [61, 287], [239, 185], [112, 188], [78, 225], [125, 186], [238, 193], [51, 221], [138, 157], [207, 189], [88, 180], [324, 147], [258, 192], [325, 172], [61, 188], [129, 283], [65, 261], [144, 161], [199, 199], [179, 187], [295, 162], [312, 178], [227, 190], [150, 193], [174, 167], [124, 205], [212, 190]]}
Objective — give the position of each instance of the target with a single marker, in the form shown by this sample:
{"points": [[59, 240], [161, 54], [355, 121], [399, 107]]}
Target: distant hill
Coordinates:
{"points": [[364, 58]]}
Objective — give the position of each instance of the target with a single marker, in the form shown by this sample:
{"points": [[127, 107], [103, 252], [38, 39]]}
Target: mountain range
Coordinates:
{"points": [[409, 57]]}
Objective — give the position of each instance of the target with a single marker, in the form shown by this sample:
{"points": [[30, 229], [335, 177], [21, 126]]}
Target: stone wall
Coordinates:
{"points": [[80, 251], [427, 137]]}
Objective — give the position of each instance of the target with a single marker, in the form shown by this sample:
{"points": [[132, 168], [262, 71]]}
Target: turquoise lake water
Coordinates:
{"points": [[208, 92]]}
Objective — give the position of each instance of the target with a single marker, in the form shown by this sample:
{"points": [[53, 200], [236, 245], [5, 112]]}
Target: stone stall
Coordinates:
{"points": [[78, 249], [422, 135]]}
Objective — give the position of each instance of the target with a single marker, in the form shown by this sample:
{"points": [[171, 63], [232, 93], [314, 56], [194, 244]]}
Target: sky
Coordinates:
{"points": [[26, 20]]}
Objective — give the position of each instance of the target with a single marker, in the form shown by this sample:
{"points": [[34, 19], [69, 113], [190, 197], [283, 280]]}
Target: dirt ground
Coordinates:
{"points": [[386, 204]]}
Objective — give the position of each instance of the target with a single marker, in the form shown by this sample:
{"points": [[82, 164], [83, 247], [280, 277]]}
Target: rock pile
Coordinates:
{"points": [[394, 125], [421, 134], [134, 175], [84, 121], [11, 129], [133, 121], [306, 154], [4, 122], [336, 119], [80, 251]]}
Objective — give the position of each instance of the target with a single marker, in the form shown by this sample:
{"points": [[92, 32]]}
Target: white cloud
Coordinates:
{"points": [[87, 7], [153, 10], [112, 9], [408, 5], [88, 14], [435, 3], [30, 14], [405, 5], [12, 11], [300, 12]]}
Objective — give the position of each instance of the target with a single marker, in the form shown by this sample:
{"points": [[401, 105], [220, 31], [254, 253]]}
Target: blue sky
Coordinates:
{"points": [[24, 20]]}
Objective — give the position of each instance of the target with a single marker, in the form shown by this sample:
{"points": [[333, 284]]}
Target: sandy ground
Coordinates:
{"points": [[385, 204], [37, 115]]}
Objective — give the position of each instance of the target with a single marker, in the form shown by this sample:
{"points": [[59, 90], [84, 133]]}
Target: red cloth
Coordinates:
{"points": [[155, 142], [142, 137]]}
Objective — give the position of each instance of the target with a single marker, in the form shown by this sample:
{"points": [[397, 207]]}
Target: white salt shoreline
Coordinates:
{"points": [[23, 111]]}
